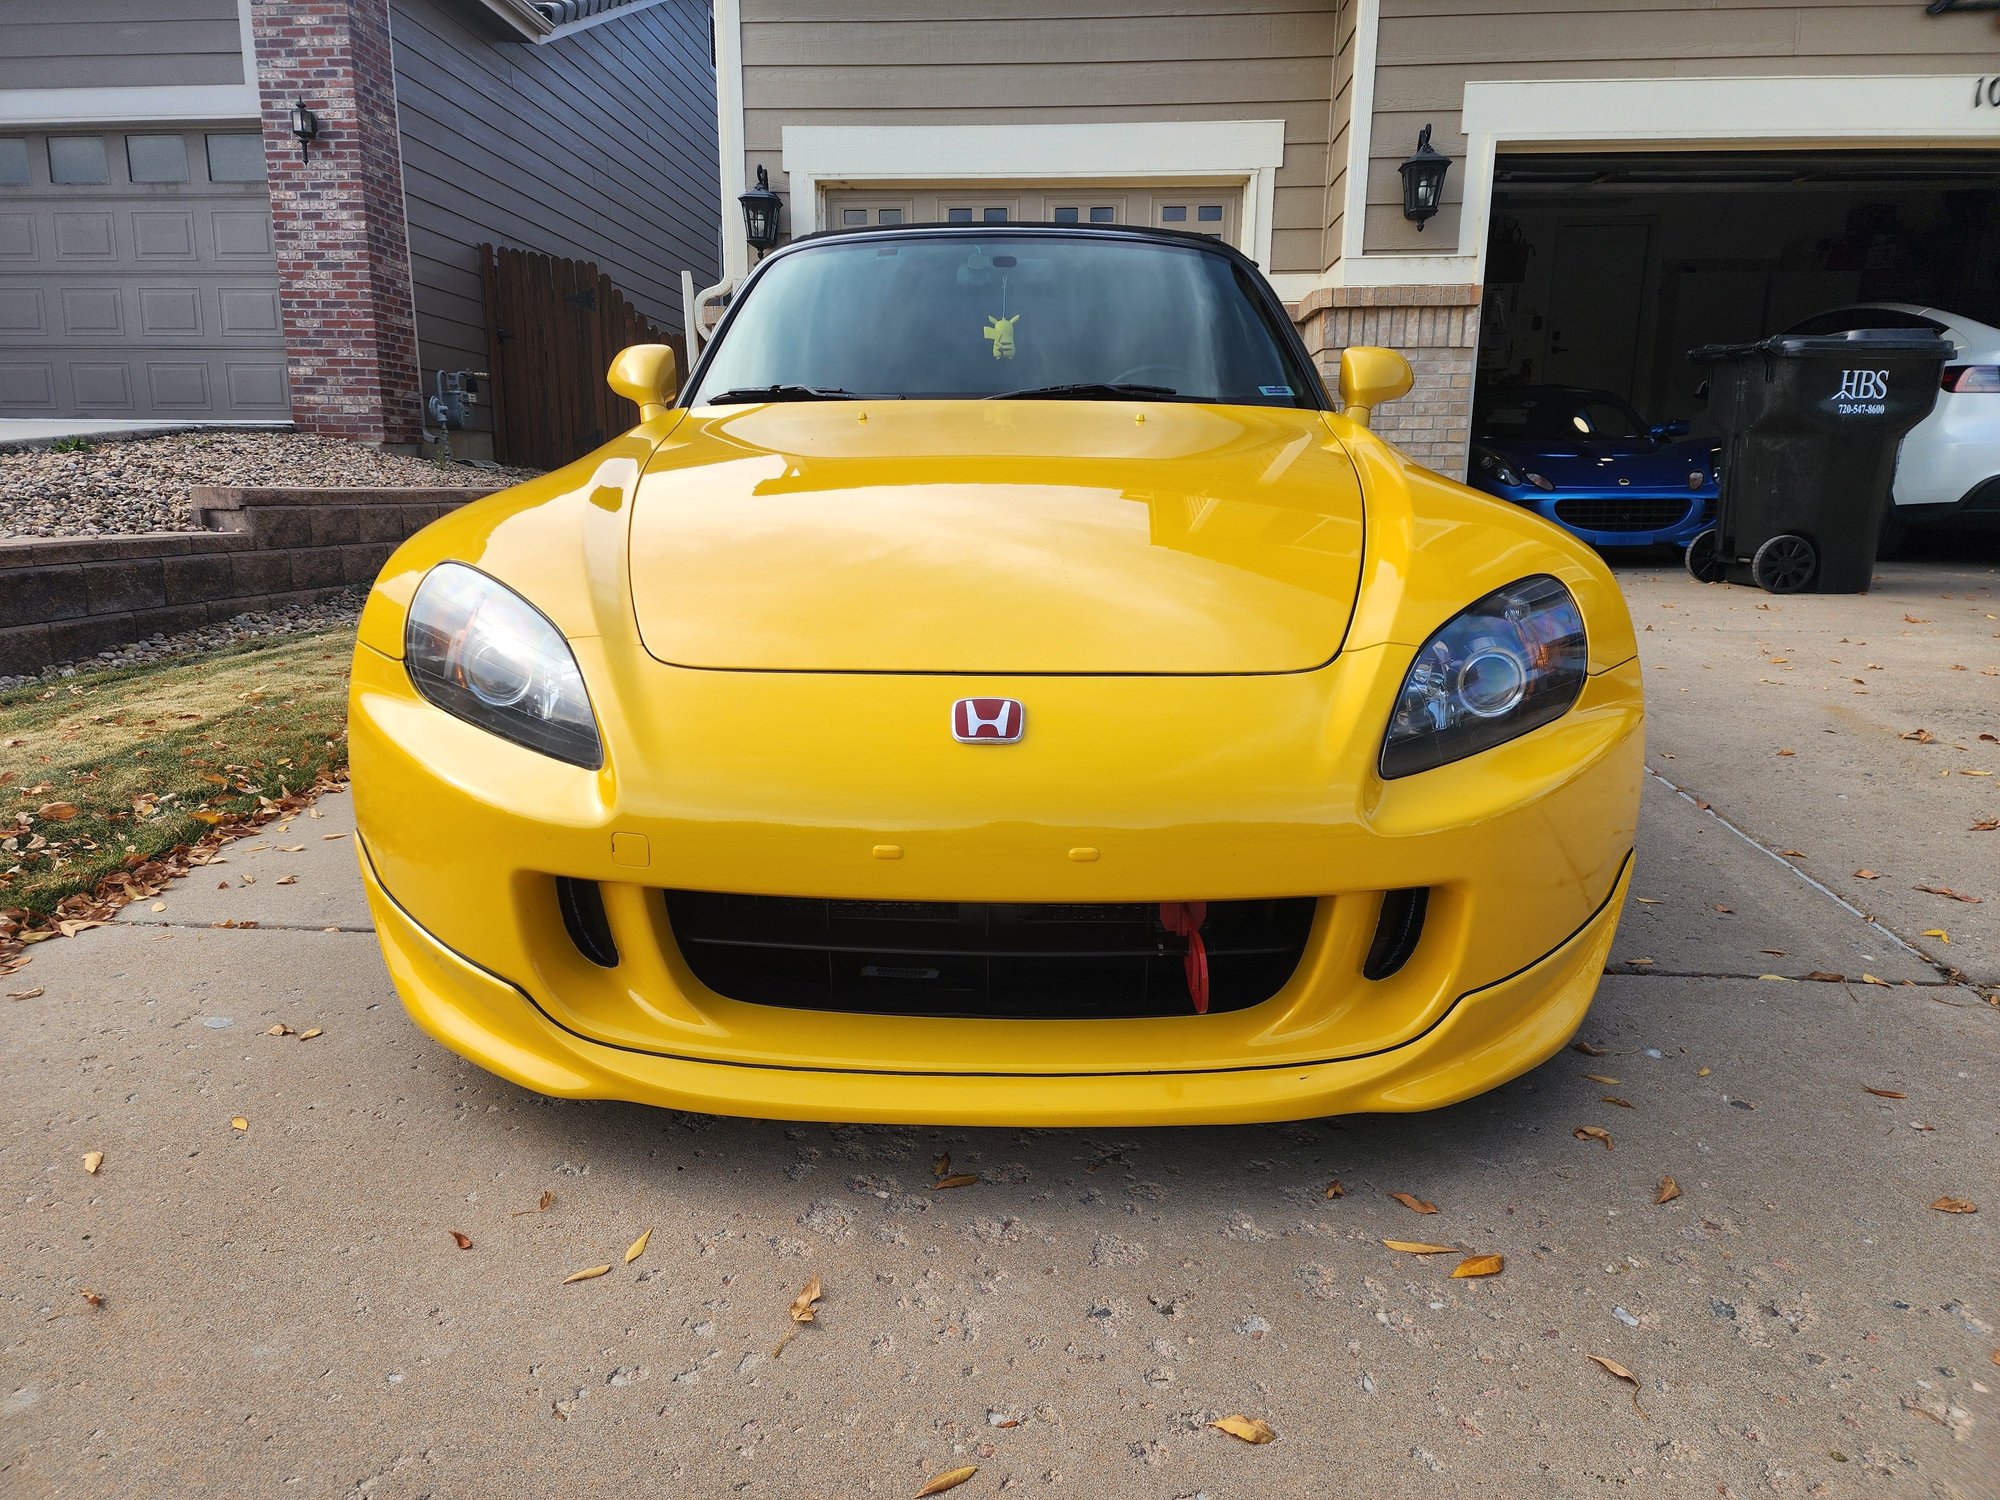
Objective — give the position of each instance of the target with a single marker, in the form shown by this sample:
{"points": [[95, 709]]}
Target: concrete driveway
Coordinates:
{"points": [[286, 1312]]}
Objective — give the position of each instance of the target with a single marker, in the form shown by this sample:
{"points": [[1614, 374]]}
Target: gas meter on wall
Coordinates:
{"points": [[457, 393]]}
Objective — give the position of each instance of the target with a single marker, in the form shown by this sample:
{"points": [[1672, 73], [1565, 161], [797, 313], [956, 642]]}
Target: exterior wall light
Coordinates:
{"points": [[305, 126], [760, 213], [1423, 180]]}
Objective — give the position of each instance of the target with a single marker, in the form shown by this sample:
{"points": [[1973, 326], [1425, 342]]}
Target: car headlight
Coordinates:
{"points": [[481, 652], [1508, 664], [1493, 464]]}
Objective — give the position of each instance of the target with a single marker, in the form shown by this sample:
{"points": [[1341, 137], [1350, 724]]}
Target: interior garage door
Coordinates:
{"points": [[1213, 211], [137, 277]]}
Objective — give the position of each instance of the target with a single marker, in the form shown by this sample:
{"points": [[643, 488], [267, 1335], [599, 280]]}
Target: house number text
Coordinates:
{"points": [[1986, 93]]}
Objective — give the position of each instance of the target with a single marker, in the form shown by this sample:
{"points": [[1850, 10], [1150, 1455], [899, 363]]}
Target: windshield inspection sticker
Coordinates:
{"points": [[1275, 390]]}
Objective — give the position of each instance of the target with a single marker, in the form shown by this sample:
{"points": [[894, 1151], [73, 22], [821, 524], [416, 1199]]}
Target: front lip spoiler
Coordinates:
{"points": [[729, 1062]]}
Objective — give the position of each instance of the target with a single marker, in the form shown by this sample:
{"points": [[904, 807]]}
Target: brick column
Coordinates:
{"points": [[1437, 329], [337, 218]]}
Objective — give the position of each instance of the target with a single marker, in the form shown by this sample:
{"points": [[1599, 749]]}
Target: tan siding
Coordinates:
{"points": [[1340, 114], [1429, 49], [119, 43], [983, 62]]}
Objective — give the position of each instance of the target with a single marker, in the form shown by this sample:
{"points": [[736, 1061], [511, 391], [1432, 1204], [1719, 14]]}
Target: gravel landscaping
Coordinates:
{"points": [[143, 484]]}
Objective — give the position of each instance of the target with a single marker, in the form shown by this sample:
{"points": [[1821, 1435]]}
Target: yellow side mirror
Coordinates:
{"points": [[645, 373], [1369, 376]]}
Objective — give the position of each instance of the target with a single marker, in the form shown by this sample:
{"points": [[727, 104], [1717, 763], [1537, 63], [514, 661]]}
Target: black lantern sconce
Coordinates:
{"points": [[305, 126], [760, 213], [1423, 180]]}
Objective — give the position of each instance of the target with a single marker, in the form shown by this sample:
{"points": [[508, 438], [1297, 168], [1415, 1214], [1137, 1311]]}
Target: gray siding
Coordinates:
{"points": [[82, 44], [984, 62], [598, 147]]}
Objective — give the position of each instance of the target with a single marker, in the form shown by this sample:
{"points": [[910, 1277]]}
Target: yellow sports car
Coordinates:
{"points": [[998, 689]]}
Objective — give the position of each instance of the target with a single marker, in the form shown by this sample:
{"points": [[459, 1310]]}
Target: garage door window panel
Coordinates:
{"points": [[235, 158], [157, 158], [14, 163], [78, 161]]}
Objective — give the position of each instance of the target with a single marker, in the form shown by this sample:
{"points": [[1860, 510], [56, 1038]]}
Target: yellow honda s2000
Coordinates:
{"points": [[997, 689]]}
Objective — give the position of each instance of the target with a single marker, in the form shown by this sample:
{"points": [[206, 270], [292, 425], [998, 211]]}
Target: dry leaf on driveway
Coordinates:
{"points": [[1593, 1133], [941, 1167], [1335, 1190], [547, 1202], [589, 1273], [1249, 1429], [638, 1247], [1480, 1265], [239, 1123], [1412, 1201], [1866, 875], [803, 1310], [92, 1160], [463, 1241], [1921, 736], [1984, 825], [956, 1180], [1614, 1099], [1588, 1050], [1623, 1374], [950, 1479], [1418, 1247], [310, 1032], [1883, 1093], [1669, 1190], [1604, 1078], [1955, 1206], [32, 994], [1945, 890]]}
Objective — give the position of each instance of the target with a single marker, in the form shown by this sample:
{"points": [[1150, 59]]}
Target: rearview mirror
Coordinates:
{"points": [[646, 374], [1369, 376]]}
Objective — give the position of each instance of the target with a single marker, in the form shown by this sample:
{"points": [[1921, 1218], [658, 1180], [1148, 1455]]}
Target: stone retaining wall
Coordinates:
{"points": [[65, 598]]}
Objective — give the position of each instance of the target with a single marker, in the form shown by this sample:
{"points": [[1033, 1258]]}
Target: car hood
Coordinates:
{"points": [[1593, 465], [997, 537]]}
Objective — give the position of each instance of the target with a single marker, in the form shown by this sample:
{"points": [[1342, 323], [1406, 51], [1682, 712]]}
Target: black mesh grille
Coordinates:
{"points": [[1036, 960], [1618, 514]]}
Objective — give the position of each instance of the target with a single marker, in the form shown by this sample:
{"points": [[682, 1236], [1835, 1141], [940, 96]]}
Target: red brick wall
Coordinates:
{"points": [[337, 218]]}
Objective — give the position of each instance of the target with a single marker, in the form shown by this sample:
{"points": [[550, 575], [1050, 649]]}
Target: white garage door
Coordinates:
{"points": [[137, 277]]}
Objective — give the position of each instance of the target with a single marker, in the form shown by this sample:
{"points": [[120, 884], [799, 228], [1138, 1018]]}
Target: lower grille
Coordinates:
{"points": [[1022, 960], [1619, 514]]}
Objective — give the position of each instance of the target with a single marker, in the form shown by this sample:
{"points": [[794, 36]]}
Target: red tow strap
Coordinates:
{"points": [[1184, 919]]}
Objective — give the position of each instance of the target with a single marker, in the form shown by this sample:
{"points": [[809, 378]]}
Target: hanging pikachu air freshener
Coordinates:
{"points": [[1001, 332]]}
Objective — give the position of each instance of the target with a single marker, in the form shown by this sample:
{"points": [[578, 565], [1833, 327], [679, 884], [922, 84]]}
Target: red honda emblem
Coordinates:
{"points": [[987, 721]]}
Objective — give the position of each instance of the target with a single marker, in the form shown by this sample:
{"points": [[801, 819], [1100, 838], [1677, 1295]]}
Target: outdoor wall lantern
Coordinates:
{"points": [[1423, 180], [305, 126], [760, 213]]}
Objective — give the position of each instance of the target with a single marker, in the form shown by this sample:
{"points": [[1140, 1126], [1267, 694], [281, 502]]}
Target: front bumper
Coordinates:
{"points": [[847, 787], [1619, 517]]}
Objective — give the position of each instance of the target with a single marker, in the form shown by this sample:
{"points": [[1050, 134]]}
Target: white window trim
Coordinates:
{"points": [[1683, 113], [193, 103], [729, 137], [1248, 152]]}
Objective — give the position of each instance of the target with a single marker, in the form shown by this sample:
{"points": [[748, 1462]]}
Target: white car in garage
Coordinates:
{"points": [[1950, 461]]}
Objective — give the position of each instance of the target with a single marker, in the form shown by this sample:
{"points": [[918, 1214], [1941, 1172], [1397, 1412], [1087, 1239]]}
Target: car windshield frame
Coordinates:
{"points": [[1307, 390]]}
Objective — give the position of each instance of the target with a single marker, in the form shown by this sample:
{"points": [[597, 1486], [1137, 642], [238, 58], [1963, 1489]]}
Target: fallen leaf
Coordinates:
{"points": [[203, 815], [1703, 1072], [310, 1032], [1593, 1133], [1614, 1099], [286, 880], [1867, 978], [463, 1241], [95, 1299], [1883, 1093], [1623, 1374], [239, 1123], [1638, 963], [1647, 900], [281, 1029], [1788, 752], [1955, 1206], [157, 906], [1866, 875], [57, 812], [1669, 1190], [638, 1247], [1945, 890], [1921, 736], [546, 1202], [941, 1167], [32, 994], [1984, 825], [1418, 1247], [1480, 1265], [1794, 853], [1779, 978], [1940, 934], [1249, 1429], [1603, 1078], [1411, 1200], [1825, 976], [588, 1273], [803, 1310], [92, 1160], [956, 1180], [1335, 1190], [325, 836], [950, 1479], [1727, 911], [1589, 1051]]}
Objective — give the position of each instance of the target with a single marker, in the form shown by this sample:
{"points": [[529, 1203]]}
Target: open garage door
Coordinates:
{"points": [[138, 278], [1603, 270]]}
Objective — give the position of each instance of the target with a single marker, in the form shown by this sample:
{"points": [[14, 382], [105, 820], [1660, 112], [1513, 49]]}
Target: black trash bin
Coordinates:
{"points": [[1810, 425]]}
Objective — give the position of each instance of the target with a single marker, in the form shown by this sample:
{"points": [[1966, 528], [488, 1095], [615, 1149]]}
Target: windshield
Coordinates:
{"points": [[1544, 416], [964, 316]]}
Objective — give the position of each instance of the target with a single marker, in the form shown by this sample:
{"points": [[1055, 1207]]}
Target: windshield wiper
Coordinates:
{"points": [[1085, 390], [747, 393]]}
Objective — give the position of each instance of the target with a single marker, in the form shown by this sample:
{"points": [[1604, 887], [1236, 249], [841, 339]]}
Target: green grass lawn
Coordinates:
{"points": [[107, 770]]}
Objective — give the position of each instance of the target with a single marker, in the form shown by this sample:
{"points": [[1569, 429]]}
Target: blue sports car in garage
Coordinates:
{"points": [[1587, 461]]}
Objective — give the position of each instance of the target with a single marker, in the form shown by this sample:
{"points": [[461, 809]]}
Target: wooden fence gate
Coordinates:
{"points": [[552, 329]]}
